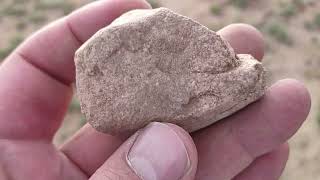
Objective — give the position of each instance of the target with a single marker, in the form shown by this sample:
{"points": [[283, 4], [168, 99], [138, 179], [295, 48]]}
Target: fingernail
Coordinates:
{"points": [[158, 154]]}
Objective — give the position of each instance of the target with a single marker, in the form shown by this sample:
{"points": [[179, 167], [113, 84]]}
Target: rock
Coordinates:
{"points": [[156, 65]]}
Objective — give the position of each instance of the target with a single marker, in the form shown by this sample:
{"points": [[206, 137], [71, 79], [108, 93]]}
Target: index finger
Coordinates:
{"points": [[35, 79]]}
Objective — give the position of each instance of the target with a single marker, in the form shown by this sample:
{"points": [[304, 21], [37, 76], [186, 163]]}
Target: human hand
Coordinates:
{"points": [[36, 89]]}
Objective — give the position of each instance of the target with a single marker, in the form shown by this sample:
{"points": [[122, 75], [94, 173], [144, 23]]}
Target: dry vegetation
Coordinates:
{"points": [[291, 29]]}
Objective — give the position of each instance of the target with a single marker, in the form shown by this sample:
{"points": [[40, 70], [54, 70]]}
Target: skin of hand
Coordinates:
{"points": [[36, 88]]}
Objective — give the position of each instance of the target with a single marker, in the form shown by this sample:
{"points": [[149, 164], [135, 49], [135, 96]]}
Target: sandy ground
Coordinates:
{"points": [[300, 60]]}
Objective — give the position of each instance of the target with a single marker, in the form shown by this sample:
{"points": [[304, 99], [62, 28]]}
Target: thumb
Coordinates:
{"points": [[157, 152]]}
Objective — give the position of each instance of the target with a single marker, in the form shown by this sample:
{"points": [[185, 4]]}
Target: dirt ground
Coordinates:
{"points": [[291, 29]]}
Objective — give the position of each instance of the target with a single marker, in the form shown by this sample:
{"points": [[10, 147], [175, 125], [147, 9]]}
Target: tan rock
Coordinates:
{"points": [[156, 65]]}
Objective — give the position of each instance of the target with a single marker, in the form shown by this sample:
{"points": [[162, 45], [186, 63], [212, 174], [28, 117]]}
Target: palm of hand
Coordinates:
{"points": [[239, 147]]}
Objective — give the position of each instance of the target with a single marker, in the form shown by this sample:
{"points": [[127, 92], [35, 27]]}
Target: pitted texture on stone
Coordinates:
{"points": [[156, 65]]}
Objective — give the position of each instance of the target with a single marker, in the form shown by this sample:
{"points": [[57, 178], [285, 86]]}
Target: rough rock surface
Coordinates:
{"points": [[156, 65]]}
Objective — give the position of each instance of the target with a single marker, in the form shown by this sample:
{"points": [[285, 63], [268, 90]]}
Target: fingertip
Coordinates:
{"points": [[293, 101], [301, 90], [170, 141], [187, 139], [296, 93], [180, 131], [245, 39], [191, 149]]}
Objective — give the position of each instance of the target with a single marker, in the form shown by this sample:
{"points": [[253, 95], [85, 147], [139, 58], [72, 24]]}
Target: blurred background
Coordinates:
{"points": [[291, 29]]}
